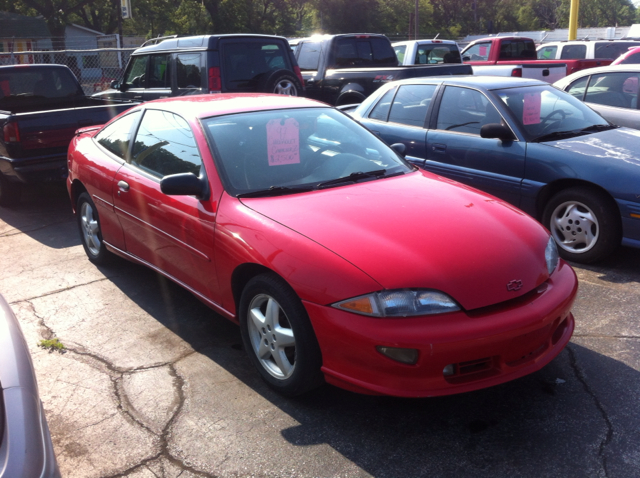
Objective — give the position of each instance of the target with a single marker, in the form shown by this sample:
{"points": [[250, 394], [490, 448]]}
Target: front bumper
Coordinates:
{"points": [[486, 346]]}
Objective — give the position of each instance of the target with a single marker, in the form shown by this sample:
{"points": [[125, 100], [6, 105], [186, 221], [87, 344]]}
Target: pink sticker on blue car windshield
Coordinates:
{"points": [[283, 142], [532, 106]]}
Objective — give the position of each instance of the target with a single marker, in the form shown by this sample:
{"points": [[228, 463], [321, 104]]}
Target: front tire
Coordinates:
{"points": [[278, 336], [585, 224], [90, 232]]}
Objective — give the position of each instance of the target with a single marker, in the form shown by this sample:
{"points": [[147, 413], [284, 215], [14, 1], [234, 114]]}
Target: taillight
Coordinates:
{"points": [[215, 84], [11, 132], [517, 72], [296, 70]]}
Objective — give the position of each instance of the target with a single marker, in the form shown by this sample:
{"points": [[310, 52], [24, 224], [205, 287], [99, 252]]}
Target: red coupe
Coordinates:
{"points": [[339, 260]]}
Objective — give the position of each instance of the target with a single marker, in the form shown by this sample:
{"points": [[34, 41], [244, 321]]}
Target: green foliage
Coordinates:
{"points": [[52, 345], [295, 18]]}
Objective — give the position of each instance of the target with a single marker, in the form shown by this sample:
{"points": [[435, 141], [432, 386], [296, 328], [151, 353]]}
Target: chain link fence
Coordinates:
{"points": [[95, 69]]}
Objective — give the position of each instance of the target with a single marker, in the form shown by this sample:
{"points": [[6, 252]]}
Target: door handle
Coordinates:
{"points": [[439, 148], [123, 186]]}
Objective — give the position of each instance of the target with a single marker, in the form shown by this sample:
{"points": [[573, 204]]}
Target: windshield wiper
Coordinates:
{"points": [[558, 135], [276, 191], [352, 178], [599, 127]]}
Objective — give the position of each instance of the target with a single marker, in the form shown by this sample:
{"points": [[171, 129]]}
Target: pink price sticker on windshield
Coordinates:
{"points": [[531, 111], [482, 51], [283, 142]]}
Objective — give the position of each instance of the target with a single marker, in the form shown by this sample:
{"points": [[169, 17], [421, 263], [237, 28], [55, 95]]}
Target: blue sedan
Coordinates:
{"points": [[525, 142]]}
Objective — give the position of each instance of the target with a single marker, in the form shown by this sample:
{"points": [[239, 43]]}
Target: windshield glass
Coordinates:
{"points": [[543, 110], [296, 148]]}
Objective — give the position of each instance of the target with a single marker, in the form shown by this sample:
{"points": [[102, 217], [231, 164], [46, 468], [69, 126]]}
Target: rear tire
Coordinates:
{"points": [[10, 192], [585, 224], [278, 336]]}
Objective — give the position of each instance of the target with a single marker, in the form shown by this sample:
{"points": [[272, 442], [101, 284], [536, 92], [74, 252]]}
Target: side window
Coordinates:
{"points": [[478, 52], [309, 56], [188, 70], [136, 72], [578, 87], [411, 104], [165, 145], [381, 110], [465, 111], [115, 137], [547, 53], [573, 52], [160, 71], [400, 51], [613, 89]]}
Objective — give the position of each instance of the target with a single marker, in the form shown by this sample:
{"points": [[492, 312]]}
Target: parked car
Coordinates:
{"points": [[516, 56], [25, 442], [526, 142], [427, 52], [610, 90], [630, 57], [41, 107], [584, 49], [287, 217], [178, 66], [345, 69]]}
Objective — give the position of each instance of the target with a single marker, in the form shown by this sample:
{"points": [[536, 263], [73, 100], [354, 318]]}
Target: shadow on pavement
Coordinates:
{"points": [[44, 214]]}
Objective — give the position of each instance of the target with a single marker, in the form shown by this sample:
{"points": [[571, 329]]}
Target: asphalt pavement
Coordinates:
{"points": [[152, 383]]}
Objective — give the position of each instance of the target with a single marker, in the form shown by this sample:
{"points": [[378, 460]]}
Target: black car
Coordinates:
{"points": [[209, 64]]}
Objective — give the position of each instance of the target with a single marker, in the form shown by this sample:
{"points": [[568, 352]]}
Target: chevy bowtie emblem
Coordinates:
{"points": [[514, 285]]}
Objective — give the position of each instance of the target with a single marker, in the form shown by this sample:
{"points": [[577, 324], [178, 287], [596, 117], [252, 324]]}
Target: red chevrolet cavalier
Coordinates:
{"points": [[339, 260]]}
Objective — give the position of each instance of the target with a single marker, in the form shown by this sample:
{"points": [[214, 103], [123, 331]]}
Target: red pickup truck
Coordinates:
{"points": [[514, 56]]}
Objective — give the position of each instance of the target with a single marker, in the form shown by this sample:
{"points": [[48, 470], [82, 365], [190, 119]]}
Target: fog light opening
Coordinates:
{"points": [[406, 356], [449, 370]]}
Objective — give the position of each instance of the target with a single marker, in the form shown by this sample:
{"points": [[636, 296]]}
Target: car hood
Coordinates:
{"points": [[620, 144], [422, 231]]}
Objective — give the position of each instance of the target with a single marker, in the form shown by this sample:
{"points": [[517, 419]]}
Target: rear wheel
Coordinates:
{"points": [[585, 224], [278, 336], [10, 192], [90, 232]]}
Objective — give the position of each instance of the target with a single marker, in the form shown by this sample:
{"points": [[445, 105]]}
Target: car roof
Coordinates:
{"points": [[596, 70], [203, 106], [476, 81], [199, 42]]}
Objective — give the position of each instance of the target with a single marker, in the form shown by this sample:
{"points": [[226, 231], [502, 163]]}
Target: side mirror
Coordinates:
{"points": [[185, 184], [496, 130], [399, 148]]}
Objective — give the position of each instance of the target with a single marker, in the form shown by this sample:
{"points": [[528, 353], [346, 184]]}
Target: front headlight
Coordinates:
{"points": [[400, 303], [551, 255]]}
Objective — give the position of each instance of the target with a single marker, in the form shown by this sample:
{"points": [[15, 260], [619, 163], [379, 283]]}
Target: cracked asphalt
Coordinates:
{"points": [[154, 384]]}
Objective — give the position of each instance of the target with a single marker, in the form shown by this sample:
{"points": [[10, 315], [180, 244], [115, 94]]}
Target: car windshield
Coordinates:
{"points": [[543, 111], [292, 150]]}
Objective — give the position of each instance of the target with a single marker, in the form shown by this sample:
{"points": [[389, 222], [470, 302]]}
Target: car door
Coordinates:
{"points": [[400, 117], [171, 233], [614, 95], [105, 159], [159, 77], [456, 150], [135, 79]]}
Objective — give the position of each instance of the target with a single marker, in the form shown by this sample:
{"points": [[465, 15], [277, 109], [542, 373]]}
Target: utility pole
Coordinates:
{"points": [[417, 24], [573, 20]]}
